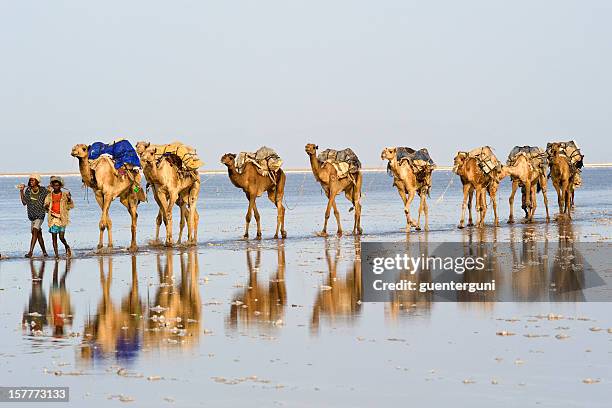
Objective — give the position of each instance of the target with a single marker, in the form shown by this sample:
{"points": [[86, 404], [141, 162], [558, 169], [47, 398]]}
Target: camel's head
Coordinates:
{"points": [[147, 156], [553, 149], [80, 151], [388, 153], [311, 148], [228, 159], [459, 160], [141, 147]]}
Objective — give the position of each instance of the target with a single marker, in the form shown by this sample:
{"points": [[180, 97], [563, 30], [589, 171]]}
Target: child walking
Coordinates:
{"points": [[33, 197], [58, 203]]}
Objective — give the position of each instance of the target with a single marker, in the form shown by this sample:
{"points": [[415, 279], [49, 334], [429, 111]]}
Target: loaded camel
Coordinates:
{"points": [[107, 185], [254, 185], [562, 178], [326, 174], [408, 185], [474, 180], [529, 178], [170, 187]]}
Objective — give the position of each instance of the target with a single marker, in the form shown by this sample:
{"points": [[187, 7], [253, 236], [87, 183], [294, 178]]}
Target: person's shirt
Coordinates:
{"points": [[35, 203]]}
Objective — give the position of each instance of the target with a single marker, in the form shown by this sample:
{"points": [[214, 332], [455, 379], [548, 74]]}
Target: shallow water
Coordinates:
{"points": [[279, 322]]}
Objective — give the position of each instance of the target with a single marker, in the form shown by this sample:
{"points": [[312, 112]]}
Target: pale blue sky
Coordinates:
{"points": [[233, 75]]}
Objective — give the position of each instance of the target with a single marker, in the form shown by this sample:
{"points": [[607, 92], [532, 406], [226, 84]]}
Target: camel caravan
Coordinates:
{"points": [[171, 171]]}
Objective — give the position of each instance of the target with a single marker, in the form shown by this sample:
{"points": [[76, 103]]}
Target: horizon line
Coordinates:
{"points": [[291, 170]]}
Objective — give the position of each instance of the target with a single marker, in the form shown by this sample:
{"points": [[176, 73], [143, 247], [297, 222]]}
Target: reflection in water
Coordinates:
{"points": [[119, 332], [57, 314], [567, 278], [35, 315], [175, 312], [338, 297], [260, 304], [113, 332], [412, 303]]}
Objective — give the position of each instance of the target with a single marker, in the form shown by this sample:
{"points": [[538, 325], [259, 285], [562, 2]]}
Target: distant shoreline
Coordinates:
{"points": [[303, 170]]}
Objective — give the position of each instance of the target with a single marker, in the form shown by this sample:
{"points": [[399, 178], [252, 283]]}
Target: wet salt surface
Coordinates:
{"points": [[279, 323]]}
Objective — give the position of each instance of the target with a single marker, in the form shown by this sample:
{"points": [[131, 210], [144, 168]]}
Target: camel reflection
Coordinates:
{"points": [[338, 298], [567, 278], [412, 303], [113, 333], [538, 276], [57, 313], [260, 305], [174, 317]]}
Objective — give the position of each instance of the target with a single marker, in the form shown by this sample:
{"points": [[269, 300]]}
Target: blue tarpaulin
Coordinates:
{"points": [[121, 151]]}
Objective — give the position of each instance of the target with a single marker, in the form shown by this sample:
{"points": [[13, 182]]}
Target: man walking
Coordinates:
{"points": [[33, 197]]}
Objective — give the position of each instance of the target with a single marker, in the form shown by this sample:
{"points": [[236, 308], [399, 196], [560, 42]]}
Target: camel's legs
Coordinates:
{"points": [[257, 219], [469, 204], [183, 217], [543, 186], [481, 205], [534, 202], [100, 200], [248, 215], [493, 194], [133, 209], [277, 199], [423, 208], [560, 200], [466, 192], [515, 184], [409, 220], [357, 204], [192, 224], [106, 222], [567, 195], [172, 197]]}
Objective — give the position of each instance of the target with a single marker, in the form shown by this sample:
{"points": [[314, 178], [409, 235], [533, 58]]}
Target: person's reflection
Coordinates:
{"points": [[259, 304], [113, 332], [567, 273], [338, 297], [60, 307], [35, 315], [175, 312]]}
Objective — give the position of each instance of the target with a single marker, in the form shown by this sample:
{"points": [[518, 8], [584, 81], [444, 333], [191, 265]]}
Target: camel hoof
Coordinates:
{"points": [[275, 236], [100, 246], [547, 219], [470, 224], [510, 221], [426, 228], [322, 234], [245, 236], [284, 234], [339, 233], [133, 248], [417, 228], [258, 237], [460, 226]]}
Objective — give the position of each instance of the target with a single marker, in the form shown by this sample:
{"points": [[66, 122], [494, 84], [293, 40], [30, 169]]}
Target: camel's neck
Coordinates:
{"points": [[394, 165], [315, 165], [85, 171], [235, 177]]}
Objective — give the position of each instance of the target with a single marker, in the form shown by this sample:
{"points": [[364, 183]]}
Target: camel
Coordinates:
{"points": [[529, 178], [407, 185], [171, 187], [254, 185], [474, 180], [327, 176], [107, 185], [562, 179]]}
